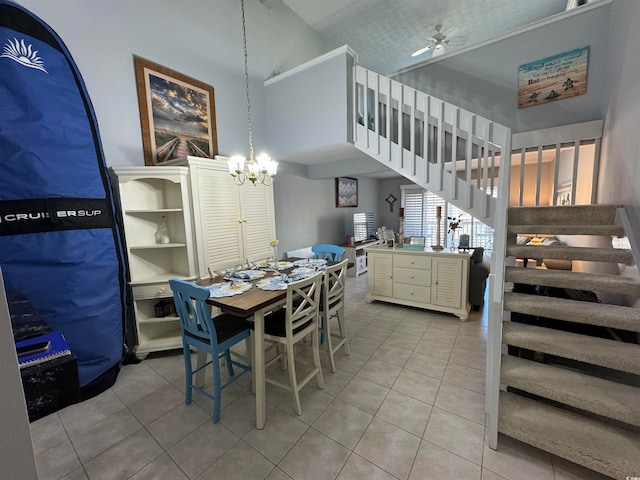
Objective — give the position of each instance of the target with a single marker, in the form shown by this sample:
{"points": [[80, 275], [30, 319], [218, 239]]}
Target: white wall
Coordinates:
{"points": [[16, 453], [620, 168], [326, 89], [198, 38]]}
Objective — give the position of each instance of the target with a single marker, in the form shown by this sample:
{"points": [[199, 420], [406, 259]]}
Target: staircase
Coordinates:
{"points": [[563, 389]]}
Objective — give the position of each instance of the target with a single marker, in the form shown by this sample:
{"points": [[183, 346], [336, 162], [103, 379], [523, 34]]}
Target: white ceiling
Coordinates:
{"points": [[384, 33]]}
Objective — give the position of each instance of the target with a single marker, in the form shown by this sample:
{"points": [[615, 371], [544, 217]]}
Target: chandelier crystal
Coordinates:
{"points": [[261, 169]]}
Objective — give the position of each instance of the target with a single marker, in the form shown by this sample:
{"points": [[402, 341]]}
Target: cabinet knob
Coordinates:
{"points": [[244, 220], [161, 290], [239, 220]]}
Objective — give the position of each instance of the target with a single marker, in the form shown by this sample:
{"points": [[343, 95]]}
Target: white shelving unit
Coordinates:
{"points": [[150, 196], [357, 256]]}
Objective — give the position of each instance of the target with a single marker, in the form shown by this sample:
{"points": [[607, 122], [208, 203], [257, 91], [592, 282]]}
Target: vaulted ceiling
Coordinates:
{"points": [[384, 33]]}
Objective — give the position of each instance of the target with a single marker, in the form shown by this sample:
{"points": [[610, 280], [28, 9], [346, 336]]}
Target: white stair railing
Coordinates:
{"points": [[448, 150]]}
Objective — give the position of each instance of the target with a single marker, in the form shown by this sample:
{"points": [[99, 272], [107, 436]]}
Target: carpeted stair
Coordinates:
{"points": [[576, 393]]}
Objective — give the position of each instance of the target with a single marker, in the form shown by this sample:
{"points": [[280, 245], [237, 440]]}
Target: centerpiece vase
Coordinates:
{"points": [[452, 245]]}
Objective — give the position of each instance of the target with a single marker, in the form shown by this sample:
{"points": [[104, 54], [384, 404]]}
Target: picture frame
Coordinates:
{"points": [[553, 78], [346, 192], [177, 114]]}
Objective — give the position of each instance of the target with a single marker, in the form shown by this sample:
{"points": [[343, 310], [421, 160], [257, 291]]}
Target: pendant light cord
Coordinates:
{"points": [[246, 76]]}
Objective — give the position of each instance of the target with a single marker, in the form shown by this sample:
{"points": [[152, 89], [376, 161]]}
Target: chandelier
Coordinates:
{"points": [[262, 169]]}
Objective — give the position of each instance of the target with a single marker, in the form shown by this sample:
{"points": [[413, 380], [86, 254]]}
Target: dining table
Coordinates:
{"points": [[257, 303]]}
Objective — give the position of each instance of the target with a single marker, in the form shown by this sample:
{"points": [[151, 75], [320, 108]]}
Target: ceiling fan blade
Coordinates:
{"points": [[457, 41], [450, 31], [421, 51]]}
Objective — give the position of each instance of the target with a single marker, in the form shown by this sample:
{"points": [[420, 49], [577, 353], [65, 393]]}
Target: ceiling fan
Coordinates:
{"points": [[440, 39]]}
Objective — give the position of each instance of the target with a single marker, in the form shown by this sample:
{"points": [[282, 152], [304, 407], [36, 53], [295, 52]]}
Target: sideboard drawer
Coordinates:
{"points": [[415, 293], [412, 276], [153, 290], [422, 262]]}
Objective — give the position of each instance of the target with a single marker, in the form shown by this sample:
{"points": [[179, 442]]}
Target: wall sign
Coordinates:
{"points": [[553, 78]]}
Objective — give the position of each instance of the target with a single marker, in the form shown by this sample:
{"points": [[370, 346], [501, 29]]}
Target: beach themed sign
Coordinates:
{"points": [[553, 78]]}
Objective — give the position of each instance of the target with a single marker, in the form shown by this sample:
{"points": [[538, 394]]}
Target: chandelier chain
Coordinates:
{"points": [[246, 76]]}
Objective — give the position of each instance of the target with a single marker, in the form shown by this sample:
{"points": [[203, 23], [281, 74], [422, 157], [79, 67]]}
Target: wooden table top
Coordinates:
{"points": [[248, 302], [252, 300]]}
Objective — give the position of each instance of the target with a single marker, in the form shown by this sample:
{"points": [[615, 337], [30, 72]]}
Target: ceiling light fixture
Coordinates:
{"points": [[262, 169]]}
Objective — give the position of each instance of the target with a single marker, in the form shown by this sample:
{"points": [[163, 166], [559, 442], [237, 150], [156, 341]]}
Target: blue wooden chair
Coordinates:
{"points": [[211, 335], [328, 252]]}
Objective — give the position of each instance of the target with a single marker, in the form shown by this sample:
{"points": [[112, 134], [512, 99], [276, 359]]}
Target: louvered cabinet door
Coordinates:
{"points": [[380, 281], [218, 220], [447, 277], [258, 221]]}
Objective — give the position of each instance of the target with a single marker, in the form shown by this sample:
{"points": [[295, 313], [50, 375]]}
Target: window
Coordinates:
{"points": [[420, 220]]}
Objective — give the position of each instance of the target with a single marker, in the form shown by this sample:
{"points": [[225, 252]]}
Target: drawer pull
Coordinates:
{"points": [[161, 290]]}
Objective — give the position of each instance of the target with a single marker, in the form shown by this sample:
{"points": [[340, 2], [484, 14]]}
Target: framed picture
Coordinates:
{"points": [[346, 192], [553, 78], [177, 114]]}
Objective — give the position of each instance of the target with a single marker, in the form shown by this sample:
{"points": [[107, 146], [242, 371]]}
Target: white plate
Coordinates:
{"points": [[272, 283], [228, 289], [249, 274]]}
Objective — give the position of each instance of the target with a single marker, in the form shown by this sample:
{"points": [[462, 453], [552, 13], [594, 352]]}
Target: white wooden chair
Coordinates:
{"points": [[290, 325], [332, 306]]}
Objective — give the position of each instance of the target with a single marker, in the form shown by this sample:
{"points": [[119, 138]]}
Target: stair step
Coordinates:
{"points": [[583, 348], [593, 394], [575, 280], [606, 449], [601, 314], [611, 255], [569, 215], [566, 229]]}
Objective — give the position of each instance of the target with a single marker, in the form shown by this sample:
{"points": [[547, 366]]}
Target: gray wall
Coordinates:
{"points": [[306, 212]]}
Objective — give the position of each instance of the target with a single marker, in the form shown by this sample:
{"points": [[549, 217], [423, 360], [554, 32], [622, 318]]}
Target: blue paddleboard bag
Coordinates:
{"points": [[60, 244]]}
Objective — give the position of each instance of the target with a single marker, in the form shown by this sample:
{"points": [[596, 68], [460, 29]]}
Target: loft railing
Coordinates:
{"points": [[448, 150]]}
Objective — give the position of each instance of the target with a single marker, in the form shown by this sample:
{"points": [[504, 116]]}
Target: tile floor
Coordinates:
{"points": [[407, 404]]}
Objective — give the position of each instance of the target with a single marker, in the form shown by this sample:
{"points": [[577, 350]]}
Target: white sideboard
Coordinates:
{"points": [[425, 279]]}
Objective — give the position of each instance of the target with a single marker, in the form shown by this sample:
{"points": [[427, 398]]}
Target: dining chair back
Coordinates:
{"points": [[332, 307], [215, 336], [328, 252], [290, 325]]}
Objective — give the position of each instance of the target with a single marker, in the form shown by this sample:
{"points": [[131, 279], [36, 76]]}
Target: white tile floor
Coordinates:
{"points": [[407, 404]]}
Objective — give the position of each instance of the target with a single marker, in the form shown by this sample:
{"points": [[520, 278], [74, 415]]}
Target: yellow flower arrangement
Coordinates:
{"points": [[274, 245]]}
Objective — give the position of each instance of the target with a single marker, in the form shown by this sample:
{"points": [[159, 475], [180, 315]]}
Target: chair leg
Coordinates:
{"points": [[327, 331], [315, 346], [292, 378], [227, 358], [248, 342], [217, 389], [343, 331], [188, 374]]}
